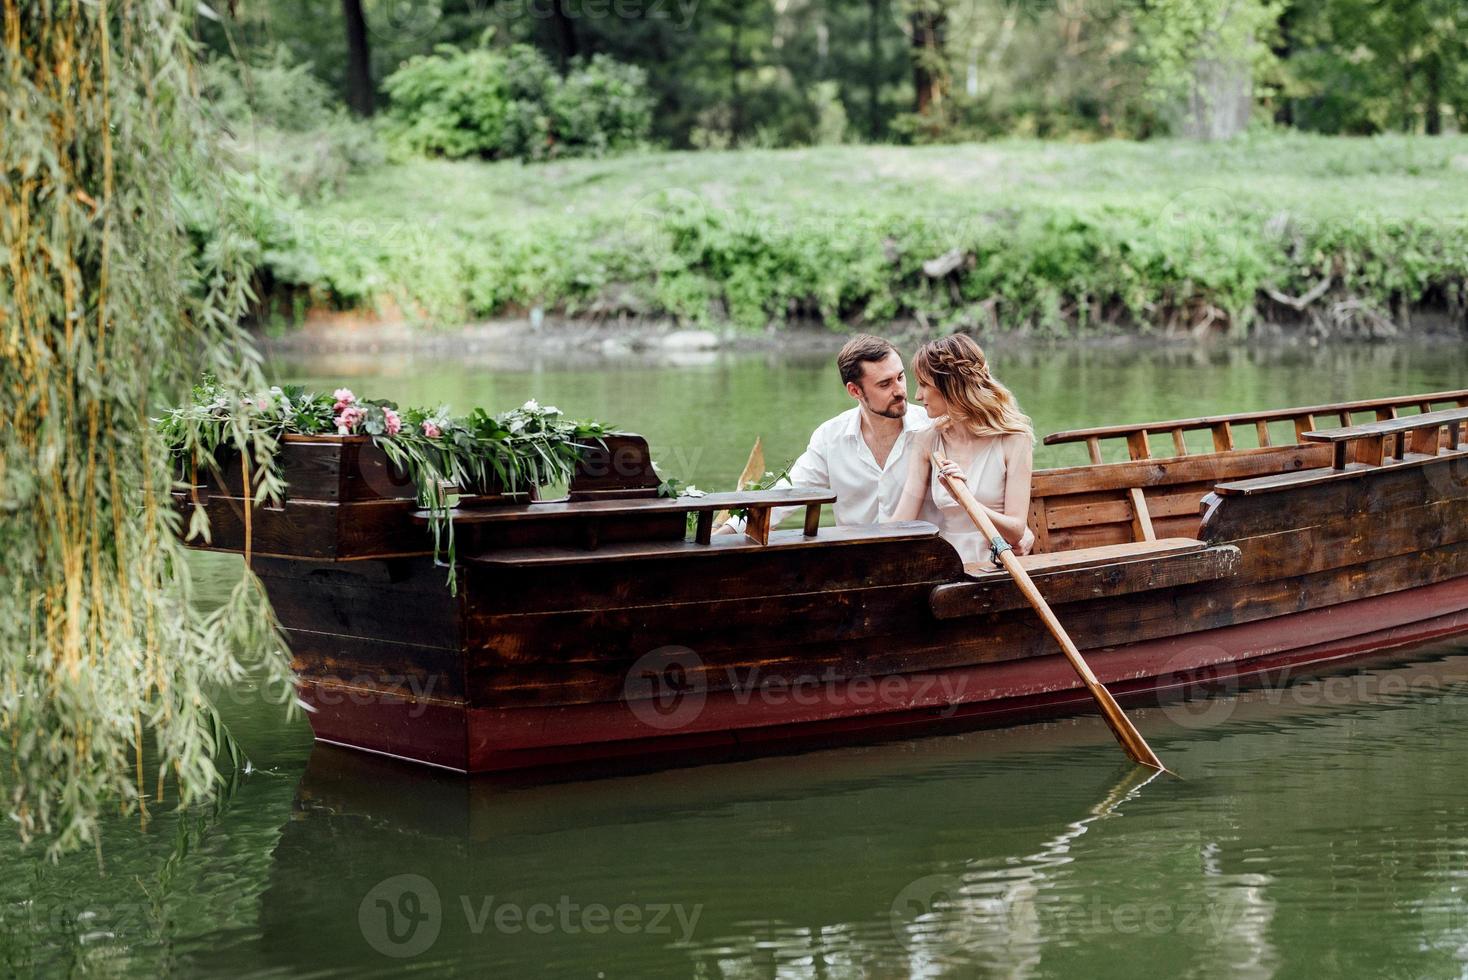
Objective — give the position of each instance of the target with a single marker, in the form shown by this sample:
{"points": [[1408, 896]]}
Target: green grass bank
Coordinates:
{"points": [[1341, 237]]}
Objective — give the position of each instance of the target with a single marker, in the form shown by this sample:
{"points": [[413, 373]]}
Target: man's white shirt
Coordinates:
{"points": [[839, 459]]}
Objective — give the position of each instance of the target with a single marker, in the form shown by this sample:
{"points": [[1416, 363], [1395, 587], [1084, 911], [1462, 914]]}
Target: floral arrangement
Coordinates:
{"points": [[513, 451]]}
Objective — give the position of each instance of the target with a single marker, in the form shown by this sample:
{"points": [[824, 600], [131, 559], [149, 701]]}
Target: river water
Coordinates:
{"points": [[1321, 827]]}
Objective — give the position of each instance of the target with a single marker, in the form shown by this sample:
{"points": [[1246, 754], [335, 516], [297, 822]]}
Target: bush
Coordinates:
{"points": [[458, 103], [601, 106], [529, 130], [279, 121], [452, 103]]}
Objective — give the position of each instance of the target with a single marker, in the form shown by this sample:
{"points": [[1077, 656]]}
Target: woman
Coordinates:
{"points": [[986, 440]]}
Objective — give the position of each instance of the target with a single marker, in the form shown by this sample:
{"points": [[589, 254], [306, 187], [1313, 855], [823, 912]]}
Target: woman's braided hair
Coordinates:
{"points": [[956, 366]]}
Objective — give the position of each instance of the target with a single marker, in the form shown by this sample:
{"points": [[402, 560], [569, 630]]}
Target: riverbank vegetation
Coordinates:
{"points": [[1168, 166], [1343, 236]]}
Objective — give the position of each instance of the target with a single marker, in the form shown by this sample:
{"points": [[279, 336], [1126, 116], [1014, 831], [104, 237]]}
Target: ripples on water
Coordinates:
{"points": [[1321, 826]]}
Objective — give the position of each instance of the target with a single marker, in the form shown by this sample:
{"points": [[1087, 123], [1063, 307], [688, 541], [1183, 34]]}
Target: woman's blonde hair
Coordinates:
{"points": [[956, 366]]}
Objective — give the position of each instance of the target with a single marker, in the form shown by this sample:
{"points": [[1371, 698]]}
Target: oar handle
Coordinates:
{"points": [[1126, 733]]}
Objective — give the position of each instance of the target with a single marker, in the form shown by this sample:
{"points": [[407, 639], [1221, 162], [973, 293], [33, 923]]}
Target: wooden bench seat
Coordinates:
{"points": [[833, 537], [1089, 573], [1087, 557]]}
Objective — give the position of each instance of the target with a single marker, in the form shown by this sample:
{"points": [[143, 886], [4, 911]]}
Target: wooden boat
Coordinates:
{"points": [[596, 627]]}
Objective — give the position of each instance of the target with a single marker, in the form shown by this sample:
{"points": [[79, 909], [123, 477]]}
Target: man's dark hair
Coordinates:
{"points": [[858, 351]]}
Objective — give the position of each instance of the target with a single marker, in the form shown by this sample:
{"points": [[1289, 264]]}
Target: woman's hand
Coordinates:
{"points": [[952, 471]]}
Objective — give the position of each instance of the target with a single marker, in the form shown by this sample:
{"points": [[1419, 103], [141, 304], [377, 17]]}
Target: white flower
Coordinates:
{"points": [[531, 406]]}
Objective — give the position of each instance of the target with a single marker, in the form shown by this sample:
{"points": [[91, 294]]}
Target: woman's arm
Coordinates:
{"points": [[1013, 521], [919, 467], [1019, 464]]}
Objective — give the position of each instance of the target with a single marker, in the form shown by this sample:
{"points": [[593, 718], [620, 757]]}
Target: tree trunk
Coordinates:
{"points": [[1220, 101], [1435, 95], [359, 67], [1284, 49], [736, 97], [874, 70], [567, 45], [928, 27]]}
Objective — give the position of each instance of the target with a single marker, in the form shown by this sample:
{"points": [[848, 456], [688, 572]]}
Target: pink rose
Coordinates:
{"points": [[394, 424], [349, 419], [344, 396], [430, 430]]}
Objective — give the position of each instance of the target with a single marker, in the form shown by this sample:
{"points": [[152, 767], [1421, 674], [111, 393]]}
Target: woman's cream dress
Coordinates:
{"points": [[986, 481]]}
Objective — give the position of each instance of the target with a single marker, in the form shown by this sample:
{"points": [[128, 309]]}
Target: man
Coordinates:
{"points": [[859, 453]]}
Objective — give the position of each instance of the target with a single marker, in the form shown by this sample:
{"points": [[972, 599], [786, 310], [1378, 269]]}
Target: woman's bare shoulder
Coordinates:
{"points": [[926, 438], [1016, 443]]}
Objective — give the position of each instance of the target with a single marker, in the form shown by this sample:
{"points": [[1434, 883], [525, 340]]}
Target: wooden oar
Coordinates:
{"points": [[754, 468], [1126, 733]]}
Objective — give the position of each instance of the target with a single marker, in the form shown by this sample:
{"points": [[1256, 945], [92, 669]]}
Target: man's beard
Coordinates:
{"points": [[894, 410]]}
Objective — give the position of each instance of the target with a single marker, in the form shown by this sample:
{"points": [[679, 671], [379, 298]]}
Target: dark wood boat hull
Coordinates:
{"points": [[737, 723], [579, 636]]}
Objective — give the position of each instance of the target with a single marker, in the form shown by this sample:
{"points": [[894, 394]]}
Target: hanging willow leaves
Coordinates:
{"points": [[107, 308]]}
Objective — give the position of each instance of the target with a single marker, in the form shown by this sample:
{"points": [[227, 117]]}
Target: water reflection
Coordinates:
{"points": [[1310, 823]]}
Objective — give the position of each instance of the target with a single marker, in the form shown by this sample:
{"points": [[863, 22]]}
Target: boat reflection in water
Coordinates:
{"points": [[1009, 852]]}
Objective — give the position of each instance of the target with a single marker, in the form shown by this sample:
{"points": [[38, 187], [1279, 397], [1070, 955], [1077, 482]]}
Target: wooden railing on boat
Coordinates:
{"points": [[1148, 499], [1221, 427], [1370, 444], [589, 513]]}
